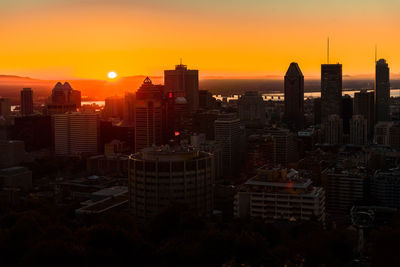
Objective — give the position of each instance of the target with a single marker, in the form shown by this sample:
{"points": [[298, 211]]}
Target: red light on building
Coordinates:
{"points": [[170, 95], [177, 133]]}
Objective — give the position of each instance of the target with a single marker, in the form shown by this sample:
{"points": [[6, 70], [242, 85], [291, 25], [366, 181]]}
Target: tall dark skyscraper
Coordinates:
{"points": [[347, 113], [364, 105], [149, 115], [294, 96], [331, 90], [26, 101], [184, 83], [382, 90]]}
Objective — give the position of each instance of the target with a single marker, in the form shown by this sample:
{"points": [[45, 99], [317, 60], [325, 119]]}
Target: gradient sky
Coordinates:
{"points": [[88, 38]]}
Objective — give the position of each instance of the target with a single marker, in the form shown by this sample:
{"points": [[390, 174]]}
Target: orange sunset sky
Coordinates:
{"points": [[60, 39]]}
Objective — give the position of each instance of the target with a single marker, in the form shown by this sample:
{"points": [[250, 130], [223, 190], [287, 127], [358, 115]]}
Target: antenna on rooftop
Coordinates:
{"points": [[181, 60], [327, 52], [376, 53]]}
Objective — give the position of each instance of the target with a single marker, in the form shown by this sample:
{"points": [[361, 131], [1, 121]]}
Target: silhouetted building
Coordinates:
{"points": [[382, 90], [280, 194], [228, 135], [63, 99], [358, 130], [344, 188], [382, 133], [160, 177], [203, 122], [26, 101], [294, 97], [331, 90], [149, 115], [184, 83], [251, 109], [206, 100], [285, 146], [317, 110], [34, 130], [347, 113], [364, 105], [114, 107], [5, 107], [333, 130], [129, 107], [76, 133], [16, 177], [12, 153], [385, 187]]}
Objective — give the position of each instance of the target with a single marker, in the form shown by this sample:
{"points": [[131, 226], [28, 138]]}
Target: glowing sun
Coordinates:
{"points": [[112, 75]]}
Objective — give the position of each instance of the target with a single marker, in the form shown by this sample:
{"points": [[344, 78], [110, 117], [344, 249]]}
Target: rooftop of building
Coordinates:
{"points": [[169, 153], [279, 178]]}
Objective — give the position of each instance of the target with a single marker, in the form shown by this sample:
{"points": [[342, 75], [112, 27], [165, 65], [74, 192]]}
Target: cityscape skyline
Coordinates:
{"points": [[238, 39]]}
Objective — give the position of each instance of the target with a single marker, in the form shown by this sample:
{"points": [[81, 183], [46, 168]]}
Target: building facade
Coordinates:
{"points": [[331, 90], [382, 90], [294, 97], [26, 101], [160, 177]]}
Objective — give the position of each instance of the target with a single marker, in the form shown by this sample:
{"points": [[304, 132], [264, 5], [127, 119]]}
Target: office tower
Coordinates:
{"points": [[385, 187], [251, 108], [114, 107], [63, 99], [149, 115], [344, 188], [183, 82], [284, 146], [206, 100], [75, 133], [294, 97], [5, 107], [34, 130], [279, 194], [382, 133], [347, 113], [160, 177], [129, 107], [382, 90], [228, 135], [317, 110], [364, 105], [331, 90], [358, 130], [26, 101], [333, 130]]}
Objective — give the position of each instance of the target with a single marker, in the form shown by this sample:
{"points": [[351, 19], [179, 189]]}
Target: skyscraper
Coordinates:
{"points": [[184, 83], [364, 105], [149, 115], [251, 109], [347, 113], [75, 133], [26, 101], [331, 90], [294, 97], [333, 130], [382, 90], [63, 99], [358, 130], [228, 135], [5, 106], [114, 107]]}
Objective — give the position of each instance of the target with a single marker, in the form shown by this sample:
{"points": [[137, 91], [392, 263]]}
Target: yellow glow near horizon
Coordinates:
{"points": [[75, 39]]}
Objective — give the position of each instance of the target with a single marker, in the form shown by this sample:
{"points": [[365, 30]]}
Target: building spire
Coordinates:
{"points": [[327, 50]]}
